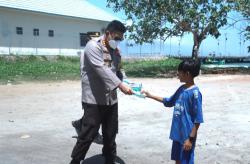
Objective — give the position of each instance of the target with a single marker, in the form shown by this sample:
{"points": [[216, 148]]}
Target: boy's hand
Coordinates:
{"points": [[187, 145], [146, 93]]}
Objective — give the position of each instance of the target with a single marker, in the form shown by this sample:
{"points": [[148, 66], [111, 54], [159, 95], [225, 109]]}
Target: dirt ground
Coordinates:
{"points": [[36, 123]]}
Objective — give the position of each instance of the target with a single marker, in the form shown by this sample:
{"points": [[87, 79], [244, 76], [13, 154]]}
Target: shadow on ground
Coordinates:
{"points": [[99, 159]]}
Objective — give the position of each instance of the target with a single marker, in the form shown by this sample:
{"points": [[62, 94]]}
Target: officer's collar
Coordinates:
{"points": [[101, 40]]}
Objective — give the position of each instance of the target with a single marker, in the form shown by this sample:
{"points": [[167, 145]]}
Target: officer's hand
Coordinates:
{"points": [[125, 89]]}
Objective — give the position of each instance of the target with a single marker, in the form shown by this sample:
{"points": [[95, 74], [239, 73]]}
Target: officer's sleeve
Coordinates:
{"points": [[117, 60], [197, 107], [94, 55], [119, 74]]}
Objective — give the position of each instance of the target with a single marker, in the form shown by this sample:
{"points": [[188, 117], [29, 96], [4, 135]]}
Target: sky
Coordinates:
{"points": [[234, 45]]}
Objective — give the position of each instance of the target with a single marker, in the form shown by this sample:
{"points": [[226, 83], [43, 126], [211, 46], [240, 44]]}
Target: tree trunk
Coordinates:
{"points": [[195, 51], [196, 46]]}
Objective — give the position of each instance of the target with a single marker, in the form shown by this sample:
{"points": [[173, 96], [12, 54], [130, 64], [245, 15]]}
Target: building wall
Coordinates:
{"points": [[66, 29]]}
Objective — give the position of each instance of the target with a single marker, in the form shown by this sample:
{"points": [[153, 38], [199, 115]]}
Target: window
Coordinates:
{"points": [[94, 34], [51, 33], [84, 38], [36, 32], [19, 30]]}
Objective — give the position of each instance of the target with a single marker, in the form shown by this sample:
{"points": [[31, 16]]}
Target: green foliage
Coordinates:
{"points": [[243, 6], [151, 68]]}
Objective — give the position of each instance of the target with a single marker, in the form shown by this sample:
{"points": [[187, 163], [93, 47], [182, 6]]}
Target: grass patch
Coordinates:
{"points": [[30, 68], [151, 68], [14, 69], [49, 68], [230, 71]]}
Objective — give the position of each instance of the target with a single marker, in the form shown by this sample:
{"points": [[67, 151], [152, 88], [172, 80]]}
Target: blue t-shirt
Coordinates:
{"points": [[187, 111]]}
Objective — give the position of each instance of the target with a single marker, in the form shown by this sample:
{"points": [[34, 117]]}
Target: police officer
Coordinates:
{"points": [[100, 71], [77, 124]]}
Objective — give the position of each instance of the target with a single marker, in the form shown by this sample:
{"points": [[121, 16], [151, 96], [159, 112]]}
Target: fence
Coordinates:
{"points": [[70, 46]]}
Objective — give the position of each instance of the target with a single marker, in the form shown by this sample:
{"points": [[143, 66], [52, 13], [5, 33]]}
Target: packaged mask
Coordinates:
{"points": [[136, 88]]}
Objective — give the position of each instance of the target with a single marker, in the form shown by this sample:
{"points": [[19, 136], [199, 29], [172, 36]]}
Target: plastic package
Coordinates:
{"points": [[136, 88]]}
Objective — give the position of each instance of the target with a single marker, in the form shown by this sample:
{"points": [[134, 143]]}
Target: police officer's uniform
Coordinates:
{"points": [[100, 76]]}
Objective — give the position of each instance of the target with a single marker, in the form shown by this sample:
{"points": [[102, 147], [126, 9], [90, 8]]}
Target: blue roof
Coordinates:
{"points": [[72, 8]]}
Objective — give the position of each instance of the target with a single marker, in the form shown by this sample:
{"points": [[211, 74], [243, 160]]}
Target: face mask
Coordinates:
{"points": [[113, 44]]}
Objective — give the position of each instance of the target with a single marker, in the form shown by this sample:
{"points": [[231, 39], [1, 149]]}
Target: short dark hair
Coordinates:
{"points": [[190, 65], [116, 26]]}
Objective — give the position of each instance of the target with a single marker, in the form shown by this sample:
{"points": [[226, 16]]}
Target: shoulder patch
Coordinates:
{"points": [[195, 92]]}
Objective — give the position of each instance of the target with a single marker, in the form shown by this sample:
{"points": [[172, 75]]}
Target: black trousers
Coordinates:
{"points": [[94, 116]]}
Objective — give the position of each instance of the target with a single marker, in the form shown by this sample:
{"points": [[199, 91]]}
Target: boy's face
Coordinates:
{"points": [[183, 76]]}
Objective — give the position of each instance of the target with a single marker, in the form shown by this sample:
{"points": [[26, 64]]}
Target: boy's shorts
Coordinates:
{"points": [[178, 153]]}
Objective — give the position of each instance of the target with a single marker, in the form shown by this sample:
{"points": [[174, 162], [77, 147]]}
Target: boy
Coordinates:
{"points": [[187, 115]]}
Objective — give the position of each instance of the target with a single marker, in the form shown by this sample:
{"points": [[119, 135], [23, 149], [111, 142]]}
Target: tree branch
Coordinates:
{"points": [[236, 21]]}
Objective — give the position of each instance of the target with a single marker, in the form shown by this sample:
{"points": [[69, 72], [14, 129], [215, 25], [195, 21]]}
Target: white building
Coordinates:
{"points": [[48, 27]]}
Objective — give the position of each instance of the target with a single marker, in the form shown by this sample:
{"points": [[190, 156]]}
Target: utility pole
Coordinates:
{"points": [[163, 47], [244, 41], [218, 47], [160, 45], [170, 48], [179, 50], [225, 45], [140, 49], [151, 49], [240, 45]]}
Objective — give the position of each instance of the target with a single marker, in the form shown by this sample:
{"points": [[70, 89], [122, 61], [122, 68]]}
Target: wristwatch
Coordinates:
{"points": [[191, 139]]}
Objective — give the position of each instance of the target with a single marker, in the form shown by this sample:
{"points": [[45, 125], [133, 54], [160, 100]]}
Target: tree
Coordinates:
{"points": [[243, 6], [160, 19]]}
